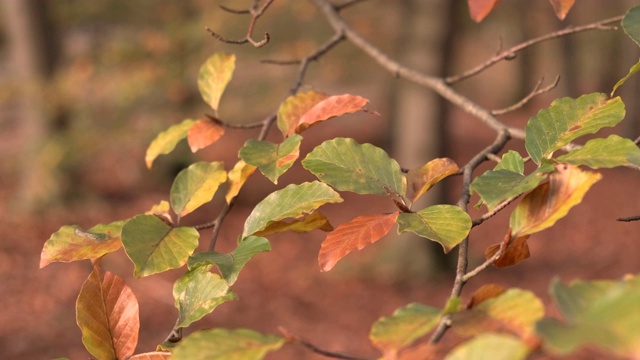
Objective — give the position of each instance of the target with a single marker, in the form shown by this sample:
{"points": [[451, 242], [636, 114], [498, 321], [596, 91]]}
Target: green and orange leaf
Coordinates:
{"points": [[203, 133], [292, 109], [272, 159], [313, 221], [167, 140], [420, 180]]}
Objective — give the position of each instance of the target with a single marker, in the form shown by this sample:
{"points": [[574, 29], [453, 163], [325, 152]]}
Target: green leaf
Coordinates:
{"points": [[167, 140], [631, 24], [199, 292], [605, 153], [154, 246], [447, 225], [72, 243], [222, 344], [291, 202], [391, 334], [272, 159], [196, 185], [512, 161], [496, 186], [490, 346], [214, 76], [634, 69], [568, 119], [598, 313], [349, 166], [231, 264]]}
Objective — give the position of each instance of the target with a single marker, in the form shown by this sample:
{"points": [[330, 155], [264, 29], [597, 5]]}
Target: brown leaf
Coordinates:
{"points": [[330, 107], [562, 7], [107, 314], [479, 9], [203, 133], [420, 180], [516, 251], [354, 235], [484, 293]]}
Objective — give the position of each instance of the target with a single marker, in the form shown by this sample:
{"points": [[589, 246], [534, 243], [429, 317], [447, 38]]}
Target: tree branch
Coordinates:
{"points": [[256, 11], [292, 338], [535, 92]]}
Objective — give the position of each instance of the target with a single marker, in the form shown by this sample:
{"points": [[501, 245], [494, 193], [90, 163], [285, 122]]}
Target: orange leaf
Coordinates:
{"points": [[562, 7], [479, 9], [420, 180], [484, 293], [331, 107], [155, 355], [107, 314], [203, 133], [292, 109], [354, 235], [516, 251]]}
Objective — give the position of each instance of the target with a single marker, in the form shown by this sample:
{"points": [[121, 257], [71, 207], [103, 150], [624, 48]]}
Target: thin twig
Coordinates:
{"points": [[637, 141], [234, 126], [293, 338], [492, 213], [304, 65], [346, 4], [511, 53], [535, 92], [487, 263], [629, 219], [256, 11]]}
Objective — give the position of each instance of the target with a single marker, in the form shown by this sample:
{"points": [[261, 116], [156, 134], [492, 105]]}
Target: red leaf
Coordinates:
{"points": [[516, 251], [203, 133], [332, 106], [107, 314], [292, 109], [479, 9], [354, 235], [562, 7]]}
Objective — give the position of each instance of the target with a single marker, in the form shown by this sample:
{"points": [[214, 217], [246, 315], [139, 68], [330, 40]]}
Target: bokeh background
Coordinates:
{"points": [[85, 86]]}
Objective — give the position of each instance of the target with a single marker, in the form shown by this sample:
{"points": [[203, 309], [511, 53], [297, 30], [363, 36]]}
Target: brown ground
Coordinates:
{"points": [[285, 288]]}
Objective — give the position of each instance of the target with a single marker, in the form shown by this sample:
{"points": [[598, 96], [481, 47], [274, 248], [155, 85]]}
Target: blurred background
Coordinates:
{"points": [[85, 86]]}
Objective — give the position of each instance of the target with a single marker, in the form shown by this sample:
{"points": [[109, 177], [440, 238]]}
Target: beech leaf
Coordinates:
{"points": [[237, 177], [199, 292], [196, 186], [512, 161], [568, 119], [331, 107], [479, 9], [214, 76], [167, 140], [631, 24], [490, 346], [354, 235], [222, 344], [420, 180], [552, 200], [272, 159], [153, 355], [72, 243], [292, 109], [484, 293], [153, 246], [107, 314], [315, 220], [516, 251], [393, 333], [447, 225], [634, 69], [349, 166], [605, 153], [291, 202], [203, 133], [562, 7]]}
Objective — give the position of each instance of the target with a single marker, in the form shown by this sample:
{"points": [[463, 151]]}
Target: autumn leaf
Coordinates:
{"points": [[292, 109], [237, 177], [354, 235], [107, 314], [203, 133], [214, 76], [515, 251], [479, 9], [484, 293], [420, 180], [154, 355], [273, 160], [222, 344], [490, 346], [315, 220], [167, 140], [196, 185], [330, 107], [562, 7]]}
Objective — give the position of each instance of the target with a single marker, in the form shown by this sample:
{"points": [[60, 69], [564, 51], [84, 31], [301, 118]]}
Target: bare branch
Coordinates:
{"points": [[347, 3], [511, 53], [637, 141], [336, 355], [487, 263], [629, 219], [234, 126], [535, 92], [255, 11], [492, 213]]}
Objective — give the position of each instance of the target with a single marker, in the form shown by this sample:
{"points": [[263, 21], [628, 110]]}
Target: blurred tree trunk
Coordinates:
{"points": [[32, 50]]}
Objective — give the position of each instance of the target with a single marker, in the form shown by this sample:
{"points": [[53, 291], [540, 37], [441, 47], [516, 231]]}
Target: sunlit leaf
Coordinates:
{"points": [[222, 344], [231, 264], [512, 161], [214, 76], [196, 185], [292, 109], [291, 202], [315, 220], [634, 69], [354, 235], [391, 334], [72, 243], [496, 186], [568, 119], [552, 200], [199, 292], [562, 7], [631, 24], [447, 225], [237, 177], [203, 133], [163, 210], [597, 313], [349, 166], [154, 246], [154, 355], [167, 140], [420, 180], [107, 314], [484, 293], [330, 107], [479, 9], [490, 346], [272, 159], [516, 251], [605, 153]]}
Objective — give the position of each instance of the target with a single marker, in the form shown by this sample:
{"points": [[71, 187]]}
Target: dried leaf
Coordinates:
{"points": [[479, 9], [516, 251], [203, 133], [420, 180], [354, 235], [562, 7]]}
